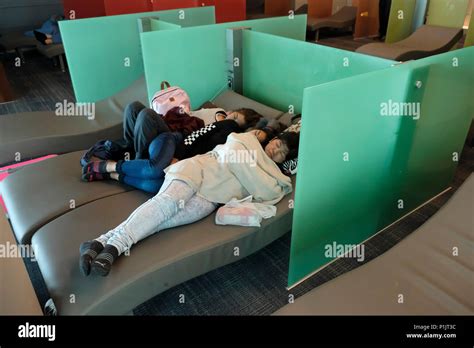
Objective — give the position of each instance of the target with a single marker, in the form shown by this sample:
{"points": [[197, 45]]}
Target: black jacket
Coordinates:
{"points": [[206, 139]]}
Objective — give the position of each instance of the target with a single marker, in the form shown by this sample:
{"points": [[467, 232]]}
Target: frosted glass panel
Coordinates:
{"points": [[370, 155], [104, 54], [196, 58], [277, 70]]}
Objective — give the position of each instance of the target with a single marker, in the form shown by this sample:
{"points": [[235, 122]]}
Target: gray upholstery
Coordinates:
{"points": [[40, 192], [51, 51], [155, 265], [229, 100], [13, 40], [34, 134], [428, 40], [421, 267], [343, 18]]}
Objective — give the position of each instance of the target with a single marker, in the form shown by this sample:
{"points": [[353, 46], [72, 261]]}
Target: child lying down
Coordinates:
{"points": [[148, 174], [193, 188]]}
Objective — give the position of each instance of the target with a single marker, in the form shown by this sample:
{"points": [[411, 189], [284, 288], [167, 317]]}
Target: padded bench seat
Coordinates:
{"points": [[155, 264], [35, 134], [40, 192], [51, 51], [421, 267]]}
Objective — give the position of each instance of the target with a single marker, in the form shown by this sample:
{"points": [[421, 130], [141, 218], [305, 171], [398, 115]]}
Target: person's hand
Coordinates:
{"points": [[220, 116], [174, 160]]}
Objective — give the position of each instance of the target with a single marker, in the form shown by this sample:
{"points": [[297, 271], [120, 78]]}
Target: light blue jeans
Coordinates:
{"points": [[177, 205]]}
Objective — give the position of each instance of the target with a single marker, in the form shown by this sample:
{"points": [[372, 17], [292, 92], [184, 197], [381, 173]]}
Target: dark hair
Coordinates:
{"points": [[251, 117], [270, 128], [291, 140]]}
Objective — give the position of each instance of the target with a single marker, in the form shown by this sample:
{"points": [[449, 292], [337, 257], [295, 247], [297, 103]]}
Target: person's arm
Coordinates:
{"points": [[207, 138], [256, 181]]}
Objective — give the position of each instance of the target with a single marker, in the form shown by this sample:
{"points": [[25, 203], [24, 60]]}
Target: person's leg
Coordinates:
{"points": [[194, 210], [146, 185], [41, 37], [143, 222], [129, 120], [161, 152], [148, 126]]}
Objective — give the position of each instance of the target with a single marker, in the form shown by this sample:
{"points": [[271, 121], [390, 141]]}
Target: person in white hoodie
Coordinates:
{"points": [[194, 187]]}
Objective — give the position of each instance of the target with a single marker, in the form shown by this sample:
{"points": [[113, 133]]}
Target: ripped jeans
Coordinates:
{"points": [[177, 205]]}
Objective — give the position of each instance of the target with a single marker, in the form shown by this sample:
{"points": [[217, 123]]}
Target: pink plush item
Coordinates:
{"points": [[241, 216], [4, 172], [244, 212]]}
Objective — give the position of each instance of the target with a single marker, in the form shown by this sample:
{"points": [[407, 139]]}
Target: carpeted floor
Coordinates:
{"points": [[255, 285], [38, 85]]}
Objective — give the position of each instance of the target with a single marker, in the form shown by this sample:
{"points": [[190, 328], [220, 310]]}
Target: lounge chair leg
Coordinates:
{"points": [[317, 36], [61, 62]]}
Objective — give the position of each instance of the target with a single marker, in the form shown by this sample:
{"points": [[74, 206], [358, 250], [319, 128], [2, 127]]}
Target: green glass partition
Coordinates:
{"points": [[157, 25], [277, 69], [400, 23], [447, 13], [104, 53], [369, 156], [196, 58]]}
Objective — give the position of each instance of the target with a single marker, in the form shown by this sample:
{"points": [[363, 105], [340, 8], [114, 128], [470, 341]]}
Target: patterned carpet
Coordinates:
{"points": [[255, 285], [37, 84]]}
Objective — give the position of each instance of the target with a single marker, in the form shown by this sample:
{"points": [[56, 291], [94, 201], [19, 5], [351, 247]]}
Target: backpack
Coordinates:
{"points": [[170, 97]]}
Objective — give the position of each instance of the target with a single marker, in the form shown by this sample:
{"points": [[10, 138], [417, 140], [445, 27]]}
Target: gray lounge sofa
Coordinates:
{"points": [[154, 265]]}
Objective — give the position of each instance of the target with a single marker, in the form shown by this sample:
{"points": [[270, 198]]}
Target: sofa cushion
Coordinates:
{"points": [[154, 265], [40, 192], [230, 100]]}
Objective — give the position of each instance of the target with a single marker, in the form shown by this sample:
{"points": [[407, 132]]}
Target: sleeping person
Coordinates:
{"points": [[194, 187], [148, 174], [142, 125], [49, 32]]}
